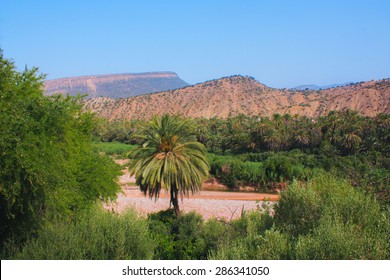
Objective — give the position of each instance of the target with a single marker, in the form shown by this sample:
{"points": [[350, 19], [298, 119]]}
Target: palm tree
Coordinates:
{"points": [[169, 158], [351, 142]]}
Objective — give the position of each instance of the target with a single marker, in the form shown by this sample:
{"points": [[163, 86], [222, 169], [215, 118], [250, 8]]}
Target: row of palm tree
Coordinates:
{"points": [[348, 132]]}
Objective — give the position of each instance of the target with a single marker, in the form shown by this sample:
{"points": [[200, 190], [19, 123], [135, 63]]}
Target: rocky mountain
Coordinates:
{"points": [[116, 85], [243, 95]]}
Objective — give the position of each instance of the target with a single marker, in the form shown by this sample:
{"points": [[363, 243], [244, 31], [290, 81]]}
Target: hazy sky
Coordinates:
{"points": [[280, 43]]}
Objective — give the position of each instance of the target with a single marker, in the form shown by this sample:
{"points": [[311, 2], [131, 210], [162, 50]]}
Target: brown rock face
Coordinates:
{"points": [[243, 95]]}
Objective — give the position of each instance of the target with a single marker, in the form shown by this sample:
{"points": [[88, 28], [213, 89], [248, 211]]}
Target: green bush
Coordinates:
{"points": [[298, 210], [160, 227], [327, 218], [214, 232], [187, 231], [187, 236], [251, 237], [301, 206], [272, 245], [334, 240], [234, 250], [177, 237], [95, 235]]}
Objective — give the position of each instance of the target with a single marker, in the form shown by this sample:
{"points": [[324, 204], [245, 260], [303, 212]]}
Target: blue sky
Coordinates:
{"points": [[280, 43]]}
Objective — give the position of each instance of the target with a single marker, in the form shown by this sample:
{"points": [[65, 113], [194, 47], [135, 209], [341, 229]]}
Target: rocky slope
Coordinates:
{"points": [[116, 85], [243, 95]]}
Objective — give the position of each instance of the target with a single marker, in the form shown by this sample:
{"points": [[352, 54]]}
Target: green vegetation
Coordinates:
{"points": [[49, 167], [264, 171], [168, 158], [325, 218], [96, 234], [119, 131], [114, 148]]}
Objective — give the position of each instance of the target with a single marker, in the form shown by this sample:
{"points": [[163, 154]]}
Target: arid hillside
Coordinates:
{"points": [[116, 85], [244, 95]]}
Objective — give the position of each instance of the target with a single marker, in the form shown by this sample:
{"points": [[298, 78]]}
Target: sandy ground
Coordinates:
{"points": [[208, 203]]}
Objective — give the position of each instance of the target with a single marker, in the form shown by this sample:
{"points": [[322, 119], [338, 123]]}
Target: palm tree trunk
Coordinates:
{"points": [[175, 200]]}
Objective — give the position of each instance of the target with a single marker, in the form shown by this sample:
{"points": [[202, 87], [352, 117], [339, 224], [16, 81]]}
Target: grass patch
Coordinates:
{"points": [[114, 148]]}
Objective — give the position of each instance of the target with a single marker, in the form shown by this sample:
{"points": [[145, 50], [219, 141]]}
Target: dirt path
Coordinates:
{"points": [[208, 203]]}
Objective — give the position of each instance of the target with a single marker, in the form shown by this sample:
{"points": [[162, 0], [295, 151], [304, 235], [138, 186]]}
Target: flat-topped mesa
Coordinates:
{"points": [[115, 85], [120, 76]]}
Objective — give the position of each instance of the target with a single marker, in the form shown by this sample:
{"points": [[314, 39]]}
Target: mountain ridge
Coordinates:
{"points": [[115, 85], [230, 96]]}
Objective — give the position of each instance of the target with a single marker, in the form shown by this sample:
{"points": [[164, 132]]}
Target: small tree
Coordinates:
{"points": [[169, 158]]}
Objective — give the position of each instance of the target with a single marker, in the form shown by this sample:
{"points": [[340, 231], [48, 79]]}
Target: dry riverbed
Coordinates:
{"points": [[208, 203]]}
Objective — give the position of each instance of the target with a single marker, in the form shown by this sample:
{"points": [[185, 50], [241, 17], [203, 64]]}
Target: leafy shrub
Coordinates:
{"points": [[187, 231], [96, 235], [272, 245], [234, 250], [325, 218], [213, 233], [329, 219], [334, 239], [251, 237], [177, 237], [301, 207], [160, 227], [298, 210], [187, 236]]}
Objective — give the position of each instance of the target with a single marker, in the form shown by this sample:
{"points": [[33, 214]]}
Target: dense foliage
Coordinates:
{"points": [[274, 150], [325, 218], [48, 165], [95, 234]]}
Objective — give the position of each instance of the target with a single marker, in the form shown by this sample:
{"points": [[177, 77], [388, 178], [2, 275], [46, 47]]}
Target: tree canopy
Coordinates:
{"points": [[47, 162]]}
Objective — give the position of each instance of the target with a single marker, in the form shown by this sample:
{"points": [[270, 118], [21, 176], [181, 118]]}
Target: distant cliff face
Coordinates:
{"points": [[117, 85], [243, 95]]}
